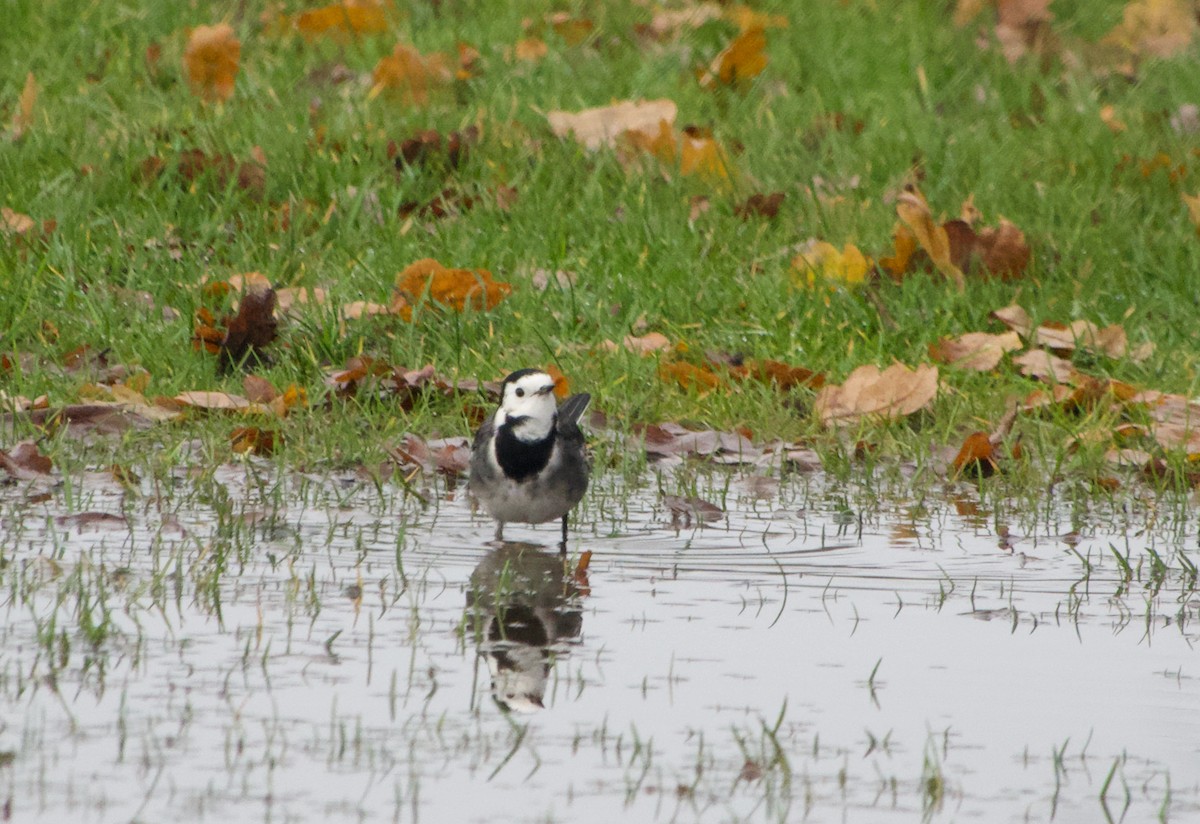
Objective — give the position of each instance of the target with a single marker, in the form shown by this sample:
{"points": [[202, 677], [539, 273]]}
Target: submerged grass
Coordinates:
{"points": [[1111, 244]]}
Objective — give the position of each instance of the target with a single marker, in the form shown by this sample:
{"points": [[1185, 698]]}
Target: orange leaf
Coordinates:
{"points": [[452, 288], [905, 243], [410, 74], [211, 60], [977, 455], [745, 57], [689, 376], [702, 156], [1193, 205], [254, 440], [350, 17], [562, 386], [781, 375]]}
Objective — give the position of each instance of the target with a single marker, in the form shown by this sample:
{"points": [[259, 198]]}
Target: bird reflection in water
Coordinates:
{"points": [[524, 608]]}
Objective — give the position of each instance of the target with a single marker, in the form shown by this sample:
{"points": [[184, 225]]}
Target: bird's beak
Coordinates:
{"points": [[546, 390]]}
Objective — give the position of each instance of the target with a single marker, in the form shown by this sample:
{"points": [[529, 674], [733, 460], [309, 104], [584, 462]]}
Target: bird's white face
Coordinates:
{"points": [[531, 398]]}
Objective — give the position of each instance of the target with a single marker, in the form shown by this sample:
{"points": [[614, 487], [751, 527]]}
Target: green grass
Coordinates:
{"points": [[1110, 244]]}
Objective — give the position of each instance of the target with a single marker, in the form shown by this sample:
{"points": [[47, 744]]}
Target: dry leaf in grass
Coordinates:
{"points": [[759, 205], [1083, 335], [541, 279], [978, 351], [194, 166], [258, 389], [22, 119], [603, 126], [1193, 206], [1045, 366], [642, 344], [689, 376], [870, 392], [668, 22], [456, 289], [820, 262], [15, 222], [410, 75], [530, 49], [254, 440], [1016, 319], [340, 20], [24, 461], [1155, 28], [216, 401], [743, 59], [211, 61], [913, 210], [783, 376], [1175, 419]]}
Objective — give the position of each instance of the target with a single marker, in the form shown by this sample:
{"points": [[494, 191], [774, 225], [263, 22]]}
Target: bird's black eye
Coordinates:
{"points": [[520, 392]]}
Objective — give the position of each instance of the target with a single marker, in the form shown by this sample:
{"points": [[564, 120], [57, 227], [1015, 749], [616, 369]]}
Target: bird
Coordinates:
{"points": [[527, 460]]}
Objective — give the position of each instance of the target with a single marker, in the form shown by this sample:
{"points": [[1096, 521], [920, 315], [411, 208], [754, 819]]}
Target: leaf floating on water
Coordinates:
{"points": [[690, 507], [25, 461]]}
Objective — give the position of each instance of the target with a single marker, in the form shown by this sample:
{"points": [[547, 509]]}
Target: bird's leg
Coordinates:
{"points": [[499, 530], [562, 548]]}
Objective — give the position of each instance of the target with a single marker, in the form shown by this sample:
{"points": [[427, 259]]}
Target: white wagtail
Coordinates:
{"points": [[527, 460]]}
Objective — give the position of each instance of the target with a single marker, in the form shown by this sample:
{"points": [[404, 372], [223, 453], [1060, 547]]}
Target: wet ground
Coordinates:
{"points": [[257, 647]]}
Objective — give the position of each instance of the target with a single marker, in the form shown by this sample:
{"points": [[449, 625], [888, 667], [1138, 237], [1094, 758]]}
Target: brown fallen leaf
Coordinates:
{"points": [[211, 61], [217, 401], [92, 520], [760, 205], [1016, 319], [24, 461], [870, 392], [686, 509], [258, 389], [254, 440], [978, 351], [642, 345], [250, 331], [1040, 364]]}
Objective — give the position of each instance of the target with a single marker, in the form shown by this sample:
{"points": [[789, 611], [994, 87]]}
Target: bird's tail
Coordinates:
{"points": [[573, 407]]}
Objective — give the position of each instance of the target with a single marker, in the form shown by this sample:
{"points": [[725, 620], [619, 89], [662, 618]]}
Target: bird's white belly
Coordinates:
{"points": [[528, 502]]}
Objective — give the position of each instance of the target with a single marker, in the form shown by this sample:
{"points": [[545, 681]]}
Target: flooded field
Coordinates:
{"points": [[251, 646]]}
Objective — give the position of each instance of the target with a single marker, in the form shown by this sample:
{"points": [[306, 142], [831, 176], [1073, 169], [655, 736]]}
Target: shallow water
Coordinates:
{"points": [[251, 647]]}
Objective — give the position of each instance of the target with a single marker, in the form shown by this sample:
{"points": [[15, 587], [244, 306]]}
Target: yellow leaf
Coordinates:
{"points": [[745, 57], [820, 261], [1193, 204], [914, 211], [23, 119], [702, 156], [451, 288], [211, 60], [1157, 28]]}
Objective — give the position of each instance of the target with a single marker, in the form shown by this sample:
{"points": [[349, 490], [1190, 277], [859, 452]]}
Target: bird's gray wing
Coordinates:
{"points": [[483, 433]]}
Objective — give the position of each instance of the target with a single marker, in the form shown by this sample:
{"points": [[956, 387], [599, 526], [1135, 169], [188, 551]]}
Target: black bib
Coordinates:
{"points": [[521, 459]]}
